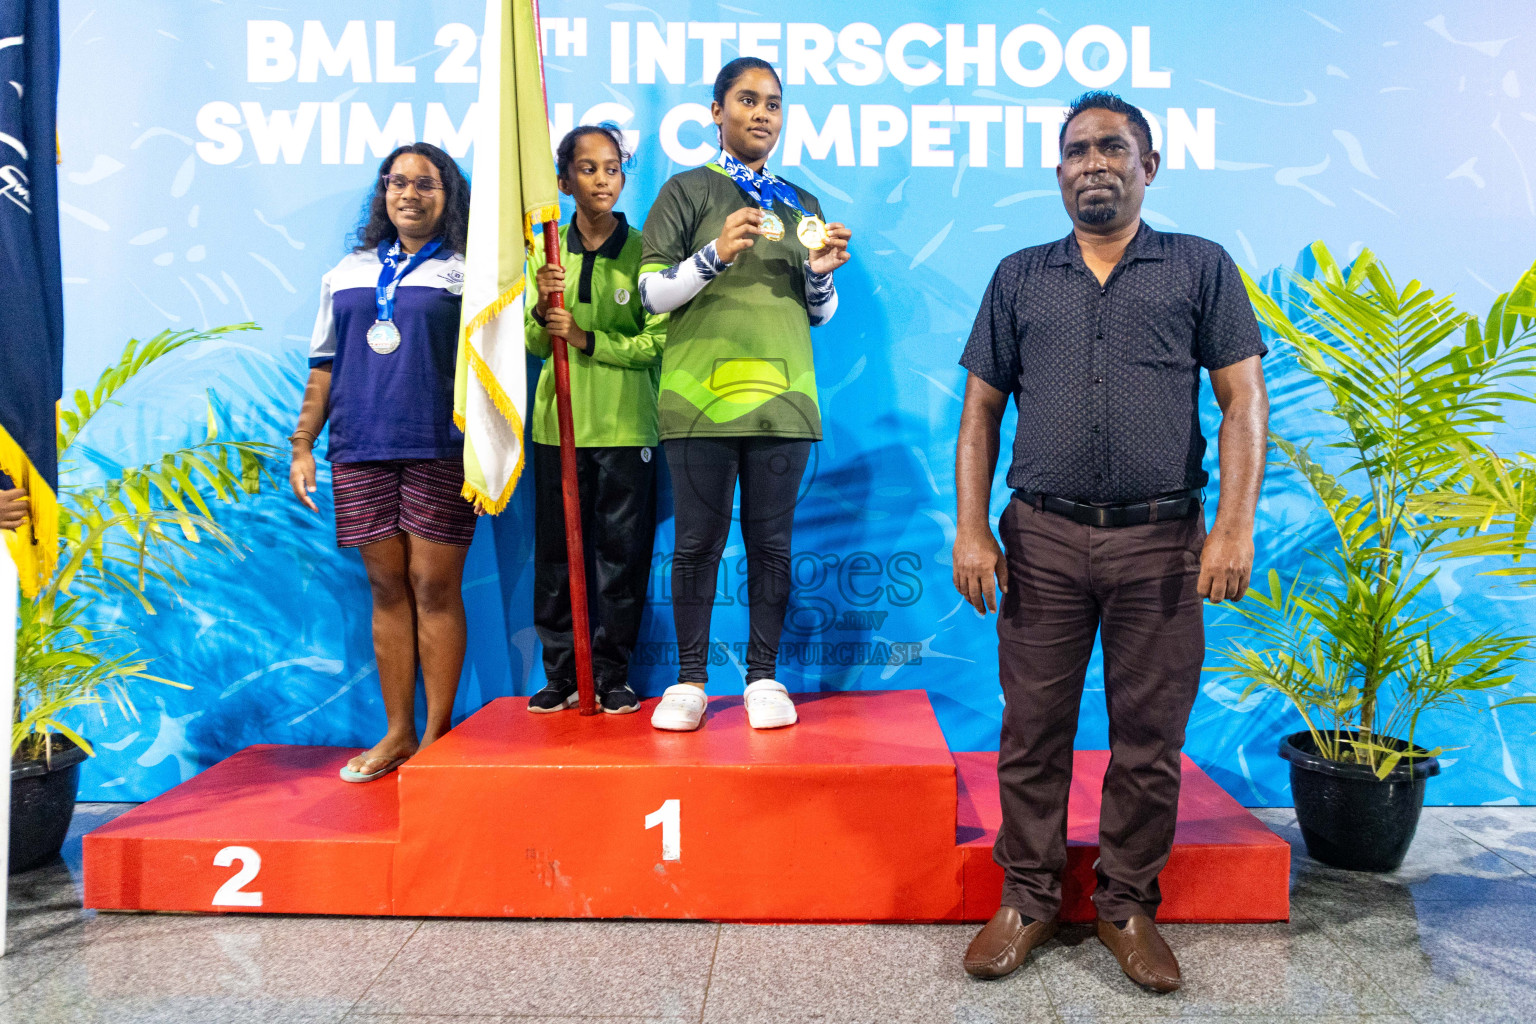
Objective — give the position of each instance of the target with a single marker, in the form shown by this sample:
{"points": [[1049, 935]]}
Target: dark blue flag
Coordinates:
{"points": [[31, 284]]}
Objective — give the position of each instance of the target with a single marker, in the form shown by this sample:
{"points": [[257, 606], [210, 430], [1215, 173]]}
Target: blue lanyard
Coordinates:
{"points": [[755, 186], [394, 271]]}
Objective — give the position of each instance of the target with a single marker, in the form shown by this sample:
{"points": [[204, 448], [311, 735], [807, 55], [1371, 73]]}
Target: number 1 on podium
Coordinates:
{"points": [[670, 817]]}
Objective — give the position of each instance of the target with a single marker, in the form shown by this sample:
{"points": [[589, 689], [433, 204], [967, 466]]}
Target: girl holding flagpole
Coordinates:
{"points": [[615, 359], [381, 371], [743, 261]]}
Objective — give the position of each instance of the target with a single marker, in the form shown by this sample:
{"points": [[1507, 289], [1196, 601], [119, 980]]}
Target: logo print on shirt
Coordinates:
{"points": [[621, 296], [455, 279]]}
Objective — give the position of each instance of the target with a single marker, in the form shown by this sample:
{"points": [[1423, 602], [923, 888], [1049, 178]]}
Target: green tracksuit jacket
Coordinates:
{"points": [[613, 390]]}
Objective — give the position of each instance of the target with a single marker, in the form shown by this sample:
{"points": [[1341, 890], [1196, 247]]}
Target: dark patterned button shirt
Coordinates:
{"points": [[1107, 377]]}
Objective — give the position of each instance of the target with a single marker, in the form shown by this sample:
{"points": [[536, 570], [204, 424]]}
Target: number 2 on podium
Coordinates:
{"points": [[232, 893], [670, 817]]}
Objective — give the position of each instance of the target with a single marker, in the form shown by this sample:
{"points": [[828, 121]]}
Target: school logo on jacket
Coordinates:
{"points": [[621, 296], [455, 281]]}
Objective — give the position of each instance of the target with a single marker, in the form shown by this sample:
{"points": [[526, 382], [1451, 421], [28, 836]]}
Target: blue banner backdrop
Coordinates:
{"points": [[217, 155]]}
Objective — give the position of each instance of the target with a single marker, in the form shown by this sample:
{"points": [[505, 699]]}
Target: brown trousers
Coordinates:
{"points": [[1136, 585]]}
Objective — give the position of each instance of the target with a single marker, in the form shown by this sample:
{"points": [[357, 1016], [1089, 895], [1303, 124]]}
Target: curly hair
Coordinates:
{"points": [[1099, 100], [566, 151], [375, 226]]}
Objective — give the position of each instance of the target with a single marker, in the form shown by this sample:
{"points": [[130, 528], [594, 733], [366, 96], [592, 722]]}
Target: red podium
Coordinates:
{"points": [[858, 813]]}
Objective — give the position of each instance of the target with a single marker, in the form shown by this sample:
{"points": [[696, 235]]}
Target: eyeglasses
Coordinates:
{"points": [[397, 183]]}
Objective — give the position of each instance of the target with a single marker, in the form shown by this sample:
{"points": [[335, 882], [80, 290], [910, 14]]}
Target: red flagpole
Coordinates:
{"points": [[574, 549]]}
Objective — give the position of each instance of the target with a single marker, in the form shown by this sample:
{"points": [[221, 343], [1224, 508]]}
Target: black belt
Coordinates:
{"points": [[1185, 505]]}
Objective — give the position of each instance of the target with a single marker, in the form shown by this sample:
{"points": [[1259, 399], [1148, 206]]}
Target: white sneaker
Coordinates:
{"points": [[681, 708], [769, 706]]}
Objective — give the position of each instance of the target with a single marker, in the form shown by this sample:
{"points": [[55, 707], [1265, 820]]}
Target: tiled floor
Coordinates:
{"points": [[1451, 937]]}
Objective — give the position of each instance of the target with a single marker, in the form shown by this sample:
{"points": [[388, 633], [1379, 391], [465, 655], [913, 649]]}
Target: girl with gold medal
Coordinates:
{"points": [[738, 388]]}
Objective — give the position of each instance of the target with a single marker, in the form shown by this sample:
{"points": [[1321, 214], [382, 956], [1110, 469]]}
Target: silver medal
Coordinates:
{"points": [[383, 337]]}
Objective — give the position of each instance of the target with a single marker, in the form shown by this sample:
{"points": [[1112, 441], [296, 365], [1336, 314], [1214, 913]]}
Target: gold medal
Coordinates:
{"points": [[773, 227], [812, 233]]}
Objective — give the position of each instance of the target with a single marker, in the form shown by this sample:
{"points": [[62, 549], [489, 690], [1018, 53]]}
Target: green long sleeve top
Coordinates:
{"points": [[613, 389]]}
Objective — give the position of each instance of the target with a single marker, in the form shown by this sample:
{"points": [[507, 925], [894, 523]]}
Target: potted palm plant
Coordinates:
{"points": [[1491, 508], [124, 533], [1352, 644]]}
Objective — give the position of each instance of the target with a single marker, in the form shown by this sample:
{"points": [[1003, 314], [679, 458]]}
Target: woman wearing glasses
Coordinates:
{"points": [[381, 371]]}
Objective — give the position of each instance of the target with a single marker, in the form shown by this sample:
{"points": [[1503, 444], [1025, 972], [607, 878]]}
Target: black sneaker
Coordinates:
{"points": [[554, 697], [618, 700]]}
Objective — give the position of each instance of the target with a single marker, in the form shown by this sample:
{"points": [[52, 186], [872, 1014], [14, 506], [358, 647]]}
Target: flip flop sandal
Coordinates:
{"points": [[348, 775]]}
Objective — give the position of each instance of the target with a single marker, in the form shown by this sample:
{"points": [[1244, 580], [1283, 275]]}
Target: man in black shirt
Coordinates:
{"points": [[1100, 338]]}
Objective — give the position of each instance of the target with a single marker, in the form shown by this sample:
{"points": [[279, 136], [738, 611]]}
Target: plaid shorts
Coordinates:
{"points": [[421, 497]]}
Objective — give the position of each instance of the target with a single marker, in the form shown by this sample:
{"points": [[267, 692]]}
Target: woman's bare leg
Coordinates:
{"points": [[394, 648], [437, 578]]}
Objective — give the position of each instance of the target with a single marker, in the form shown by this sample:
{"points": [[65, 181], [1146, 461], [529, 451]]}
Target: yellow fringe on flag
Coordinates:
{"points": [[493, 388], [492, 311], [484, 502], [538, 215], [35, 547]]}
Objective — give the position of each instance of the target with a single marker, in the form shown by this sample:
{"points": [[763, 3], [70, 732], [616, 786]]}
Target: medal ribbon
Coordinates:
{"points": [[754, 186], [393, 272]]}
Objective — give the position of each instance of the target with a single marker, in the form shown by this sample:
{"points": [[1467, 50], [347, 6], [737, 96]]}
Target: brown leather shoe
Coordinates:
{"points": [[1000, 947], [1144, 956]]}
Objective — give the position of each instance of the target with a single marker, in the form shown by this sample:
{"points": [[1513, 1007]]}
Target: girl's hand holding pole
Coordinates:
{"points": [[560, 324], [550, 280]]}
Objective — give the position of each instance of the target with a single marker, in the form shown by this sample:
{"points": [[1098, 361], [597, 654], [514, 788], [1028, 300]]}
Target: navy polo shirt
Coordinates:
{"points": [[397, 405]]}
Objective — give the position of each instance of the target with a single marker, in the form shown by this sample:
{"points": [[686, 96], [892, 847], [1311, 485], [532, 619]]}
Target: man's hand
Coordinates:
{"points": [[560, 324], [736, 237], [977, 562], [13, 509], [550, 280], [301, 475], [835, 253], [1226, 564]]}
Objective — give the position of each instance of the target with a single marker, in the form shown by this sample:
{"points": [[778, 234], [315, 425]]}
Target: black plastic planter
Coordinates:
{"points": [[43, 804], [1349, 818]]}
